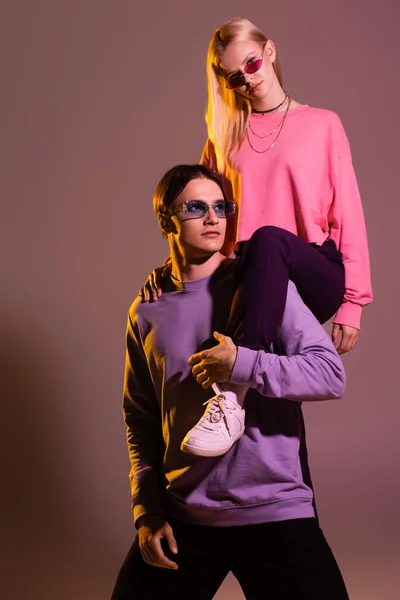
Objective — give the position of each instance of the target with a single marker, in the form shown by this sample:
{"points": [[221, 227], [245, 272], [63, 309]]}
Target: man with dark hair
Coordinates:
{"points": [[249, 511]]}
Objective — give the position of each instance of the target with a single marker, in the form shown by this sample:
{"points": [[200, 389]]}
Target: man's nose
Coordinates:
{"points": [[211, 216]]}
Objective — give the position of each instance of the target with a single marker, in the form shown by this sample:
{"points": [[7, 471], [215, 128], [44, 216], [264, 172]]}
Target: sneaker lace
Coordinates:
{"points": [[215, 413]]}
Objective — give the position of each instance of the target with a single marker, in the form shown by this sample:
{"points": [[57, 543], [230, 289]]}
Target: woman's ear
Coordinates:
{"points": [[270, 50]]}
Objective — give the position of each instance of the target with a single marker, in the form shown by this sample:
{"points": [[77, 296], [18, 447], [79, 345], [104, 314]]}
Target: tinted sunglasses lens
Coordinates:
{"points": [[224, 209], [253, 67], [235, 81], [195, 209], [220, 209], [229, 208]]}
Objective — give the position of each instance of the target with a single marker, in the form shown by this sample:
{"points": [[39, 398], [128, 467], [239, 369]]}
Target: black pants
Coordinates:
{"points": [[286, 560]]}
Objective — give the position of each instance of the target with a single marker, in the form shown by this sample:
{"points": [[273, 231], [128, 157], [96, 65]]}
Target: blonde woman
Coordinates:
{"points": [[288, 167]]}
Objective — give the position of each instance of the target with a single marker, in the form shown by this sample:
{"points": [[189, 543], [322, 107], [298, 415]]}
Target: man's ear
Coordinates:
{"points": [[165, 224]]}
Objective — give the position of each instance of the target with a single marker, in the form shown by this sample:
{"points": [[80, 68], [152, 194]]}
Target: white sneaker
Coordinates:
{"points": [[221, 425]]}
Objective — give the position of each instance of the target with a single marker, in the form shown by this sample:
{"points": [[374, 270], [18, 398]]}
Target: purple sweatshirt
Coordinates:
{"points": [[260, 478]]}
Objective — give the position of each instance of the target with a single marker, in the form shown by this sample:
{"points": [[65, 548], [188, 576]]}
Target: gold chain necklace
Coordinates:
{"points": [[277, 130], [262, 137]]}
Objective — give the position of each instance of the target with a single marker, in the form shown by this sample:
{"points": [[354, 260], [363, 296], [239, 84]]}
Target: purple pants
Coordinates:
{"points": [[266, 262]]}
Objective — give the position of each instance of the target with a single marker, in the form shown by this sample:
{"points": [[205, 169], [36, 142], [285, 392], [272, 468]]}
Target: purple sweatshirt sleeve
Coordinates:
{"points": [[144, 436], [306, 367]]}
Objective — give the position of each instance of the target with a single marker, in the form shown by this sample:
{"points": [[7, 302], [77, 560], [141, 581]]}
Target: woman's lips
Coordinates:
{"points": [[255, 87]]}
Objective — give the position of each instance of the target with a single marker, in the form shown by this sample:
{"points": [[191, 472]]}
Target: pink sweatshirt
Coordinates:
{"points": [[307, 185]]}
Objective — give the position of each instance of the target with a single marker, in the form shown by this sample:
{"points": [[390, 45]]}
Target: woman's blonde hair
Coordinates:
{"points": [[227, 112]]}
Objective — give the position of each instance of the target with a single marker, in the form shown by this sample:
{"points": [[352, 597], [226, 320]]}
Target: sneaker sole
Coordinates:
{"points": [[192, 449]]}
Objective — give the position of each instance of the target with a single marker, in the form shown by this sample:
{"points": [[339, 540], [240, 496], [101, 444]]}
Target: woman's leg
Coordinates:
{"points": [[267, 261]]}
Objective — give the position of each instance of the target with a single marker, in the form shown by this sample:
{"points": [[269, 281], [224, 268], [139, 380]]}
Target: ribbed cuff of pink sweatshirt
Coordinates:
{"points": [[349, 314]]}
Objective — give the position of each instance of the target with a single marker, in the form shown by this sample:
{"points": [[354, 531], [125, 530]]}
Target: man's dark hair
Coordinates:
{"points": [[174, 182]]}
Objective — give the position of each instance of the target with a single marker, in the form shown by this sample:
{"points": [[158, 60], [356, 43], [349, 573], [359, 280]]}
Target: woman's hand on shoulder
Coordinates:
{"points": [[151, 289]]}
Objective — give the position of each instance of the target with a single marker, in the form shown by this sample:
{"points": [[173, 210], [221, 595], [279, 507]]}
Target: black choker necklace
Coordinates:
{"points": [[264, 112]]}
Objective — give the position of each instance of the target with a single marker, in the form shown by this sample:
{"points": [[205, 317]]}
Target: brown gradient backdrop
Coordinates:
{"points": [[98, 100]]}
